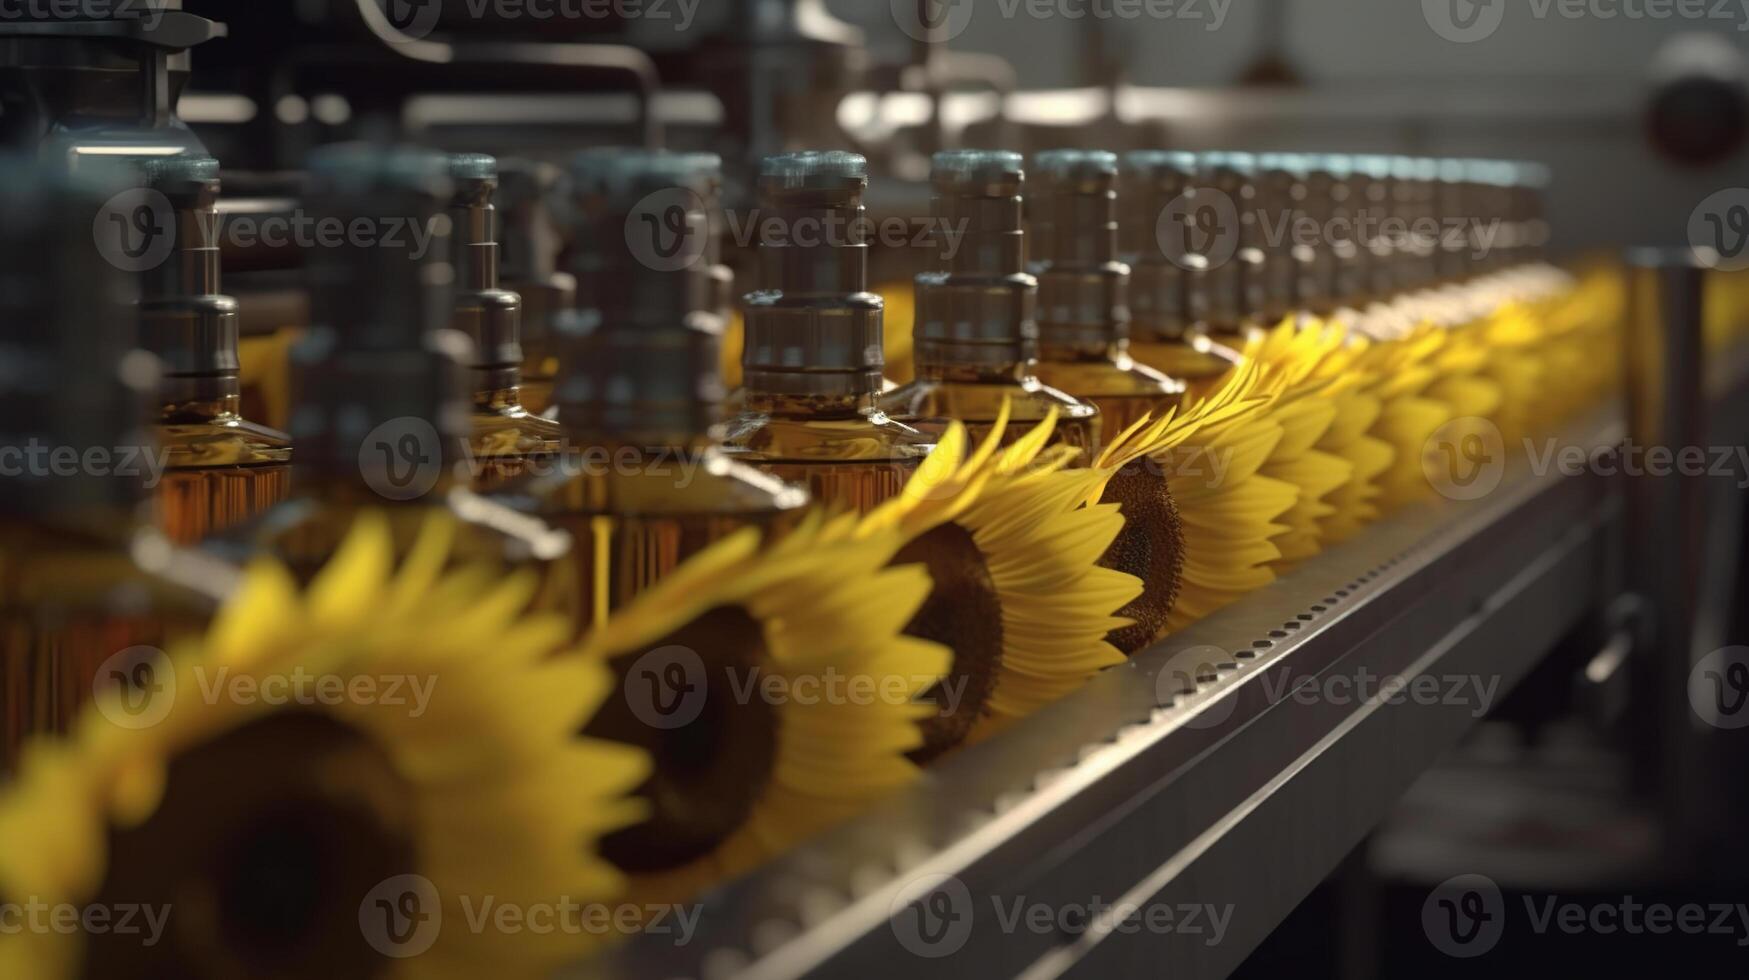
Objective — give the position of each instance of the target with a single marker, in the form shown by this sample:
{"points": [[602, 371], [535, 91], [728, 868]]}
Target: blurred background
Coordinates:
{"points": [[1636, 114], [1640, 109]]}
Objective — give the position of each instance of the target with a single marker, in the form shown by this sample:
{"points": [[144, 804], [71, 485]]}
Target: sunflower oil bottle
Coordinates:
{"points": [[90, 593], [381, 406], [505, 440], [1235, 288], [1285, 242], [644, 484], [976, 335], [812, 365], [530, 242], [1339, 265], [223, 469], [1084, 313], [1167, 249]]}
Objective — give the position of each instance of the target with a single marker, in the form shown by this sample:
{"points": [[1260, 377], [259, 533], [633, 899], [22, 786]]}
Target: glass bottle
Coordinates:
{"points": [[812, 367], [1290, 238], [1341, 264], [644, 485], [506, 441], [90, 592], [976, 336], [222, 468], [1373, 184], [380, 387], [1169, 260], [531, 241], [1084, 315]]}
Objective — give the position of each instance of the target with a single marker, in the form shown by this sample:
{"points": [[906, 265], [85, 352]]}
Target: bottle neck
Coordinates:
{"points": [[497, 390], [1002, 373], [817, 407], [213, 399], [1068, 353]]}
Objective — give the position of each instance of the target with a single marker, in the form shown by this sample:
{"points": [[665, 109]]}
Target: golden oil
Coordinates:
{"points": [[812, 365], [381, 389], [223, 469], [975, 341], [642, 484], [89, 594], [505, 439]]}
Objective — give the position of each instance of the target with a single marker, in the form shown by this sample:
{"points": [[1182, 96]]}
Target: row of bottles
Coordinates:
{"points": [[408, 383]]}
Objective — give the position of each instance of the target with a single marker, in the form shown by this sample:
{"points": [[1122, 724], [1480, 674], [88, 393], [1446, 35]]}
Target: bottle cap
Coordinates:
{"points": [[530, 242], [378, 357], [640, 351], [963, 171], [487, 314], [1083, 288], [813, 168], [813, 329], [184, 318], [978, 307]]}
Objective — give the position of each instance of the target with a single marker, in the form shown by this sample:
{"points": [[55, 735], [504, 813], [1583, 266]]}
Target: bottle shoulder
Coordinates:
{"points": [[222, 441], [1029, 401], [873, 436], [1191, 359], [513, 432], [671, 482], [104, 567], [1113, 377], [305, 531]]}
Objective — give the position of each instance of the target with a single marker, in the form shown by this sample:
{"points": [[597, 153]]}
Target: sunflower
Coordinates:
{"points": [[1352, 388], [1307, 409], [1512, 335], [1018, 594], [1405, 368], [1583, 327], [1199, 514], [277, 828], [775, 691]]}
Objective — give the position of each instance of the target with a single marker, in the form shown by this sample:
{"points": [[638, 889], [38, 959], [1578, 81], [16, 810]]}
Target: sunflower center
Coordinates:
{"points": [[964, 614], [712, 736], [1150, 547], [265, 843]]}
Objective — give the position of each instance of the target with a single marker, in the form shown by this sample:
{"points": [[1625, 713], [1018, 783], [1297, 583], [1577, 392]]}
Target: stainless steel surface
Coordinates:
{"points": [[1218, 769]]}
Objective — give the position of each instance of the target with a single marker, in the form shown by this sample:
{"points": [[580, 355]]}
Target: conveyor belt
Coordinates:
{"points": [[1228, 769]]}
